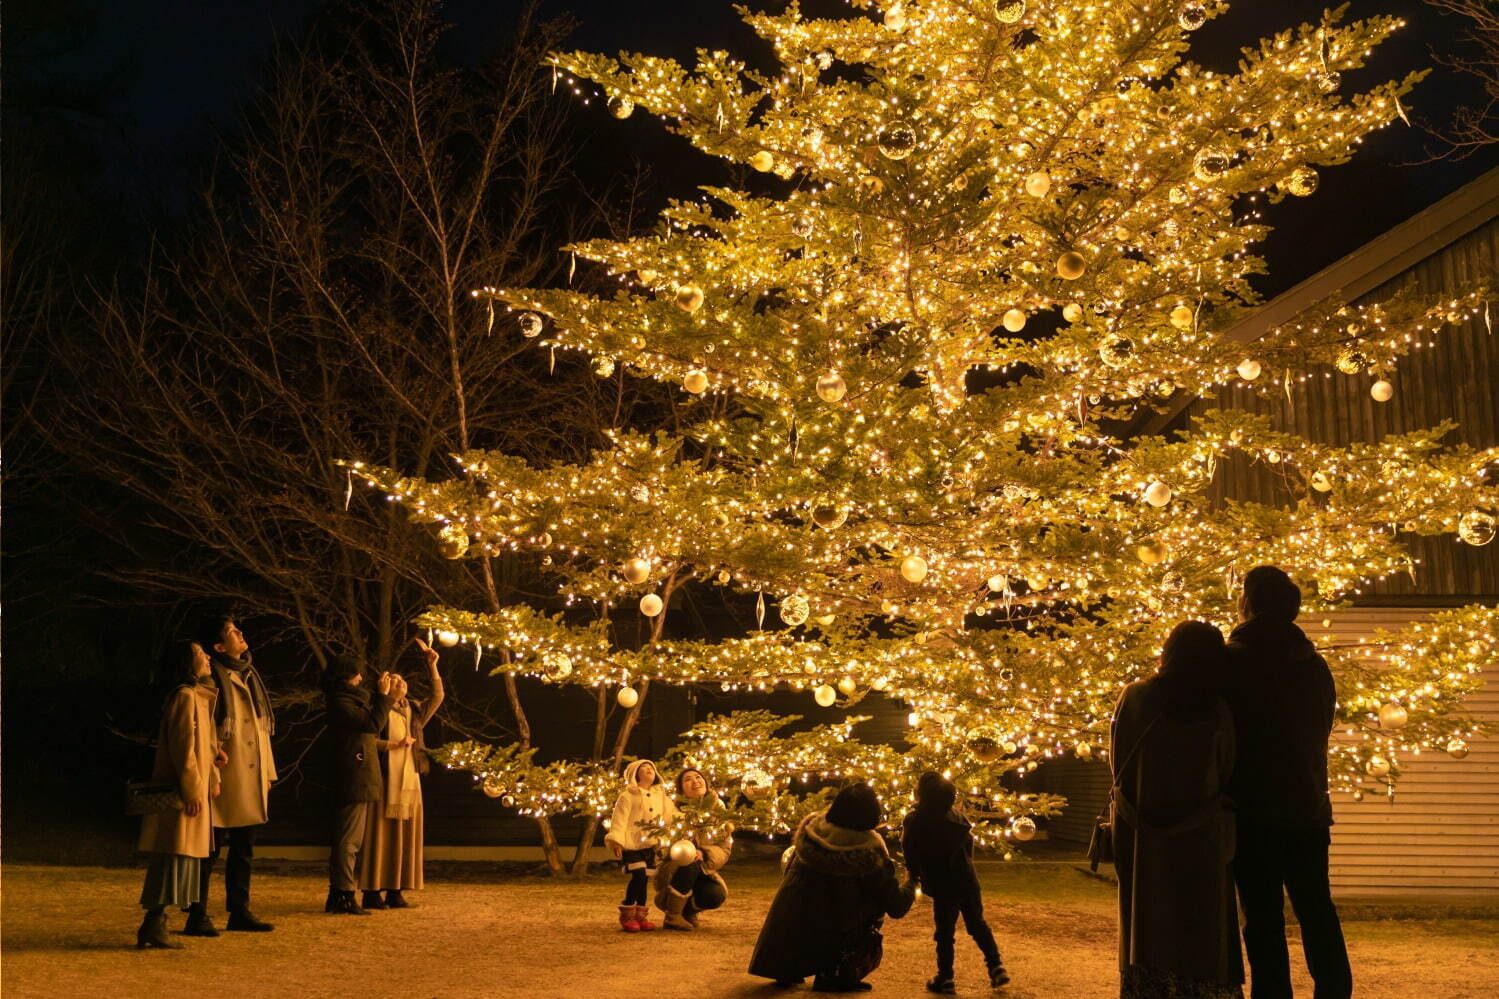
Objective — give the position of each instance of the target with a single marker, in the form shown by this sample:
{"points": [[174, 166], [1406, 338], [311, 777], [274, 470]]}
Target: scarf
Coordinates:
{"points": [[402, 785], [259, 699]]}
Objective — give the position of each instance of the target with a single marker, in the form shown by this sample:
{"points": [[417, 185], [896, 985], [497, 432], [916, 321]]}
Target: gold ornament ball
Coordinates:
{"points": [[650, 605], [530, 324], [683, 852], [1014, 320], [1023, 828], [1302, 181], [1009, 11], [492, 788], [1249, 369], [1072, 312], [1116, 351], [762, 161], [1382, 391], [996, 583], [1152, 552], [696, 382], [1358, 794], [447, 639], [913, 568], [1352, 360], [985, 749], [621, 107], [803, 226], [1181, 317], [627, 697], [1071, 265], [847, 686], [1211, 163], [757, 785], [829, 517], [452, 541], [1477, 528], [636, 571], [1321, 482], [1158, 494], [1392, 716], [895, 18], [898, 141], [559, 666], [1457, 749], [1083, 750], [1038, 184], [1192, 16], [603, 367], [1037, 581], [794, 610], [831, 387], [825, 696], [1378, 766], [689, 298]]}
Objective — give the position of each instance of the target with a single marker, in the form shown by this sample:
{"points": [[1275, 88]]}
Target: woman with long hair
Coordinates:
{"points": [[685, 889], [1172, 749]]}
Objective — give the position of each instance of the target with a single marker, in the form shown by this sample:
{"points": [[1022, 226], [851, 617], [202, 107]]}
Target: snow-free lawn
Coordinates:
{"points": [[69, 931]]}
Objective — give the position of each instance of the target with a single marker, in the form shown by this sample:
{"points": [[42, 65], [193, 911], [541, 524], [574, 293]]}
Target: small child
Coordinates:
{"points": [[643, 806], [938, 848]]}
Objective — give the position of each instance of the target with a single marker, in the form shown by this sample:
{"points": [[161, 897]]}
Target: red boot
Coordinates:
{"points": [[627, 920], [643, 917]]}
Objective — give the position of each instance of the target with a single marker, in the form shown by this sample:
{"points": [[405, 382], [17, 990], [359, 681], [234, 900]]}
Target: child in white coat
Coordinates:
{"points": [[643, 806]]}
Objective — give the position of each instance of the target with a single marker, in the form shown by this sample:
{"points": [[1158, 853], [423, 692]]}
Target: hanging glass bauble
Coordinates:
{"points": [[1116, 351], [448, 639], [696, 381], [1382, 391], [452, 541], [1071, 265], [1014, 320], [530, 324], [985, 749], [1477, 528], [1377, 766], [492, 787], [1158, 494], [757, 785], [1152, 552], [689, 298], [763, 161], [1023, 828], [1211, 162], [651, 605], [847, 686], [627, 697], [898, 141], [803, 226], [831, 387], [1392, 715], [825, 696], [895, 18], [1038, 184], [1352, 360], [1072, 312], [557, 665], [1321, 482], [621, 107], [829, 517], [1192, 16], [794, 610], [1249, 369], [1327, 80], [1302, 181], [1009, 11], [1457, 749], [913, 568], [636, 571], [1181, 317]]}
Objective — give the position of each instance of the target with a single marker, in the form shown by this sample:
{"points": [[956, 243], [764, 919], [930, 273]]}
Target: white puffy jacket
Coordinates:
{"points": [[638, 810]]}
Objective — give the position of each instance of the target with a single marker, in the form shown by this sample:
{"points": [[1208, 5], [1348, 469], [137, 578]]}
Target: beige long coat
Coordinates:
{"points": [[251, 769], [185, 749]]}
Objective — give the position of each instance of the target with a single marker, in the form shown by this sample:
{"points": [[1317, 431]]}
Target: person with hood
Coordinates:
{"points": [[245, 725], [355, 718], [188, 755], [683, 890], [1284, 705], [840, 884], [1172, 749], [937, 844], [642, 808], [391, 860]]}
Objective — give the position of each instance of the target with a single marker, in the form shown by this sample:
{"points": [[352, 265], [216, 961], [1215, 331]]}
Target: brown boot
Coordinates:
{"points": [[627, 919], [675, 903], [153, 931], [643, 917], [690, 912]]}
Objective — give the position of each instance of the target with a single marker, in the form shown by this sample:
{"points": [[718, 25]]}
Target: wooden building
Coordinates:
{"points": [[1440, 831]]}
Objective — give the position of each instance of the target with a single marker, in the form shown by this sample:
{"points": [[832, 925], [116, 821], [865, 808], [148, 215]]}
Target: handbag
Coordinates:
{"points": [[1101, 843], [152, 797]]}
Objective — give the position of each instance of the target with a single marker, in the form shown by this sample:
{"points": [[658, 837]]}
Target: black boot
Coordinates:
{"points": [[153, 931], [244, 920], [395, 900], [372, 900], [342, 903], [943, 985], [998, 975], [198, 922]]}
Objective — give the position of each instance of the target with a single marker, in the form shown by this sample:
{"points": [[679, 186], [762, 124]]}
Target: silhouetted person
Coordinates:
{"points": [[1282, 697]]}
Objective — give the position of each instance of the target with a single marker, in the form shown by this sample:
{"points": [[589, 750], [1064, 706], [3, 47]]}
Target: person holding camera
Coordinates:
{"points": [[392, 857], [355, 719]]}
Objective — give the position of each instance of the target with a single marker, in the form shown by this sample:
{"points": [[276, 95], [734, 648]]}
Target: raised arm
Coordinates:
{"points": [[435, 700]]}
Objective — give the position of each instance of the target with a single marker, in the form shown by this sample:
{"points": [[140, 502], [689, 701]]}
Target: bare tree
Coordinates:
{"points": [[323, 312], [1477, 55]]}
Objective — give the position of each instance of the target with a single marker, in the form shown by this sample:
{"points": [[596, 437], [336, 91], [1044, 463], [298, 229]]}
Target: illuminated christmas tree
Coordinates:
{"points": [[976, 241]]}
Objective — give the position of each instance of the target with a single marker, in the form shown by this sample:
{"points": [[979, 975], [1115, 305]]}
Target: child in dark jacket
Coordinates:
{"points": [[938, 848]]}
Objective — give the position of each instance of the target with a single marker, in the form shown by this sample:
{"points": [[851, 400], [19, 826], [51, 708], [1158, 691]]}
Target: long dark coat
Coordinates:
{"points": [[355, 717], [840, 885], [1174, 836]]}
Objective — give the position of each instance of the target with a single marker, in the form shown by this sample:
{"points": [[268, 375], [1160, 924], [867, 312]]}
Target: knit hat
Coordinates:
{"points": [[857, 807]]}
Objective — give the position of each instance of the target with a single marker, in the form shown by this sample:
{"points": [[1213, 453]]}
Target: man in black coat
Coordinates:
{"points": [[355, 718], [1283, 701]]}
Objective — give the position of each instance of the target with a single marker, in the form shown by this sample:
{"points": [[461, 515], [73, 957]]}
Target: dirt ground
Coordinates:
{"points": [[69, 931]]}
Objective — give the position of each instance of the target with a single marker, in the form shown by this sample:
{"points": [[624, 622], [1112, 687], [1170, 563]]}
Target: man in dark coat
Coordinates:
{"points": [[825, 919], [1283, 701], [937, 844], [355, 718]]}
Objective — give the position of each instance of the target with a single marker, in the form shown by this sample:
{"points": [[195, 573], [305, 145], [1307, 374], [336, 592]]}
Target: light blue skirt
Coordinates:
{"points": [[172, 879]]}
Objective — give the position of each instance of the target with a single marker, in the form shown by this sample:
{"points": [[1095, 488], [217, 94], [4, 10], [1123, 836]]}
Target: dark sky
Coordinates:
{"points": [[193, 61]]}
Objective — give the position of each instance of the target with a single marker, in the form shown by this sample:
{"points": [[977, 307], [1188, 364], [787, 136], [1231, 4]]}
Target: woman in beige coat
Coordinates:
{"points": [[187, 754], [391, 860]]}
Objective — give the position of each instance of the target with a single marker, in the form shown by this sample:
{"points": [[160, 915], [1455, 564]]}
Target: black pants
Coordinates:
{"points": [[639, 865], [706, 892], [1270, 859], [241, 841], [945, 912]]}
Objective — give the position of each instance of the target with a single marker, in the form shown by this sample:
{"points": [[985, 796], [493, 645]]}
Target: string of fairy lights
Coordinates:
{"points": [[977, 238]]}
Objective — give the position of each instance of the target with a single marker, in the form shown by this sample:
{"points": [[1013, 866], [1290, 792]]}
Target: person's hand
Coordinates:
{"points": [[429, 652], [192, 808], [221, 758], [217, 790], [408, 742], [386, 679]]}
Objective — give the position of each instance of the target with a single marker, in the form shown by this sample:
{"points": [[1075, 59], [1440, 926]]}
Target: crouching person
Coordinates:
{"points": [[826, 917], [685, 889]]}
